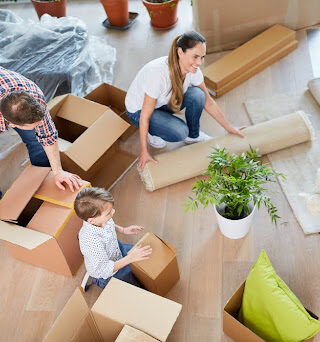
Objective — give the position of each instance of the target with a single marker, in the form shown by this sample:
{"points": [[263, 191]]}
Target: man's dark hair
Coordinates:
{"points": [[20, 108]]}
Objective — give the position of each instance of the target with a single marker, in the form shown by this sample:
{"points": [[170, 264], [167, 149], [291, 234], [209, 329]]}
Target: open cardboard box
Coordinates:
{"points": [[235, 329], [129, 334], [160, 272], [119, 304], [114, 98], [39, 223], [88, 140]]}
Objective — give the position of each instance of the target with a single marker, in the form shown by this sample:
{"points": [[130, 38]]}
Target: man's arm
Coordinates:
{"points": [[73, 181]]}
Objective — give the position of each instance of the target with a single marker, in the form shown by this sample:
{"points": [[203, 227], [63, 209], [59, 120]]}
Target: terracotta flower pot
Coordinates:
{"points": [[54, 8], [163, 15], [117, 11]]}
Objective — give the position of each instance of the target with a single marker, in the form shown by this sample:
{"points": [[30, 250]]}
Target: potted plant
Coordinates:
{"points": [[163, 13], [117, 12], [56, 8], [234, 186]]}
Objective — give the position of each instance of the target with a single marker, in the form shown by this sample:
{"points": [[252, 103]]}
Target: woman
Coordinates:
{"points": [[166, 85]]}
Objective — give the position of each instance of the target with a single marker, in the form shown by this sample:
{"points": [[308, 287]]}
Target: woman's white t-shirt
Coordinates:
{"points": [[154, 80]]}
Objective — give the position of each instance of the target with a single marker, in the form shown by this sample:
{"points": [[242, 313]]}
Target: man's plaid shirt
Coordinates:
{"points": [[46, 133]]}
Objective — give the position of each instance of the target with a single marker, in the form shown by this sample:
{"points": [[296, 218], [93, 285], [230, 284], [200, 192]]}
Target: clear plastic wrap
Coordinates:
{"points": [[56, 53]]}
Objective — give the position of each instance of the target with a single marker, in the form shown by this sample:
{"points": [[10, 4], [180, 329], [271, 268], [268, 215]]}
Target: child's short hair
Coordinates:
{"points": [[90, 202]]}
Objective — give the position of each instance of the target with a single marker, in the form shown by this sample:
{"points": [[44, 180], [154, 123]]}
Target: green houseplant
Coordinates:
{"points": [[56, 8], [234, 186]]}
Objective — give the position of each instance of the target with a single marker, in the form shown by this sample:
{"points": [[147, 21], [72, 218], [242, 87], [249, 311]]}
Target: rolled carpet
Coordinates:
{"points": [[190, 161]]}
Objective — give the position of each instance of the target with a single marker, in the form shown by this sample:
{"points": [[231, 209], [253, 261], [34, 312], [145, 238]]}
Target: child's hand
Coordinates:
{"points": [[132, 230], [140, 253]]}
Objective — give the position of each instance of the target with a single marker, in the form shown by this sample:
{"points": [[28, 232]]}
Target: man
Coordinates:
{"points": [[23, 107]]}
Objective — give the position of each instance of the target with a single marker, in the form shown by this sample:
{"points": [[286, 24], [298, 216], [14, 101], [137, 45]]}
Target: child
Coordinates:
{"points": [[104, 255]]}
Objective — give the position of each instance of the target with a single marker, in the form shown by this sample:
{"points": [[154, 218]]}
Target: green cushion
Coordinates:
{"points": [[271, 310]]}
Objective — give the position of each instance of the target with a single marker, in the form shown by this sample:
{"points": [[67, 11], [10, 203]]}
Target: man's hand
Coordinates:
{"points": [[73, 181], [132, 230]]}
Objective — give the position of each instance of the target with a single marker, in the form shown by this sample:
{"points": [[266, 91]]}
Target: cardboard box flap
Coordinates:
{"points": [[80, 111], [49, 192], [97, 139], [234, 303], [21, 236], [54, 104], [50, 219], [161, 255], [108, 95], [129, 334], [70, 319], [21, 192], [143, 310]]}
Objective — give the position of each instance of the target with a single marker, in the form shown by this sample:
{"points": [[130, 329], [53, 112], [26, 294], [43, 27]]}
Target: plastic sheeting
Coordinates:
{"points": [[56, 53]]}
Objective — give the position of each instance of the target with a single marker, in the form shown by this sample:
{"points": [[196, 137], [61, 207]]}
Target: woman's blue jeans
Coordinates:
{"points": [[170, 128], [124, 273]]}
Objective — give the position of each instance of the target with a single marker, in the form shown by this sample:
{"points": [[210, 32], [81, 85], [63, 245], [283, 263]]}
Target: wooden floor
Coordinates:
{"points": [[211, 266]]}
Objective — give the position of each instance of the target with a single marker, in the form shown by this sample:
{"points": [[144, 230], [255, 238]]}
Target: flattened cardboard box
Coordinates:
{"points": [[39, 223], [88, 140], [160, 272], [108, 95], [119, 304], [226, 26], [235, 329], [129, 334], [253, 71], [248, 55]]}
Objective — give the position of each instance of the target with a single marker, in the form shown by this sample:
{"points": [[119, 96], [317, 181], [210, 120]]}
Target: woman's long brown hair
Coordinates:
{"points": [[186, 41]]}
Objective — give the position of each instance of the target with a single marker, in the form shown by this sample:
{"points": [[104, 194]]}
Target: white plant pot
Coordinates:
{"points": [[234, 229]]}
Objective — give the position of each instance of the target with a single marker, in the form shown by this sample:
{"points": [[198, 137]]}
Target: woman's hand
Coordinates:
{"points": [[145, 157], [132, 230], [236, 131], [140, 253]]}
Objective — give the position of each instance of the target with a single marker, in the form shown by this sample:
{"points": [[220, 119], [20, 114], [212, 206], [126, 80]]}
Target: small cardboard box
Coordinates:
{"points": [[160, 272], [119, 304], [39, 223], [235, 329], [252, 71], [129, 334], [88, 139], [114, 98], [248, 55]]}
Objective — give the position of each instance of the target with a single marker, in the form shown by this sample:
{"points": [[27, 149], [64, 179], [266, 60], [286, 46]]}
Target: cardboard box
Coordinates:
{"points": [[113, 97], [235, 329], [252, 71], [248, 55], [89, 145], [119, 304], [39, 223], [226, 26], [129, 334], [160, 272]]}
